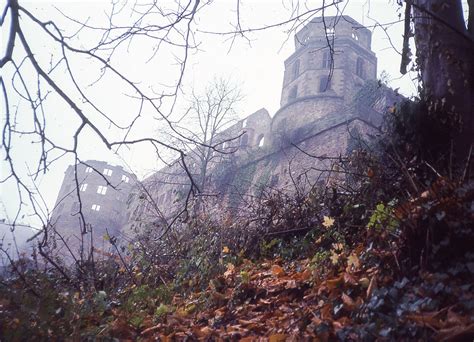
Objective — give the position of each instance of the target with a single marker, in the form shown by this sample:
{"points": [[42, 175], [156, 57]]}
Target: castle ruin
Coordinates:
{"points": [[330, 99]]}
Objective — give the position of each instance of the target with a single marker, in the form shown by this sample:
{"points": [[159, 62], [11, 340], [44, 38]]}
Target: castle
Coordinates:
{"points": [[330, 98], [100, 194]]}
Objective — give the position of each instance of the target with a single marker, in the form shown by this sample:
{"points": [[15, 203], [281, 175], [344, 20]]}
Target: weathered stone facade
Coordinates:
{"points": [[330, 98], [103, 192]]}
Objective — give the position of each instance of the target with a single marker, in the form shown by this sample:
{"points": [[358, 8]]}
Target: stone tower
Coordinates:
{"points": [[332, 59], [103, 190]]}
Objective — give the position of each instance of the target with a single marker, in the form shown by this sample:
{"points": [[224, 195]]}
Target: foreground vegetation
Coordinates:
{"points": [[383, 254]]}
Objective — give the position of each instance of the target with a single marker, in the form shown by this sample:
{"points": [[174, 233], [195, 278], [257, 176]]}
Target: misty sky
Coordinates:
{"points": [[255, 63]]}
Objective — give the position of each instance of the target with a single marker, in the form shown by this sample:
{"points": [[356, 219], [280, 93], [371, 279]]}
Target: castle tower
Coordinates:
{"points": [[103, 190], [332, 59]]}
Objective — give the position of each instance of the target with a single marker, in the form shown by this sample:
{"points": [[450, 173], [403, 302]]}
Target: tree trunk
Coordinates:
{"points": [[445, 57]]}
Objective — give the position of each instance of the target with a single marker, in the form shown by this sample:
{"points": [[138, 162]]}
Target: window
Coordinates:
{"points": [[326, 60], [101, 190], [88, 169], [296, 69], [244, 123], [330, 31], [360, 67], [355, 36], [324, 84], [83, 187], [125, 179], [108, 172], [293, 93], [95, 207], [244, 140], [261, 140]]}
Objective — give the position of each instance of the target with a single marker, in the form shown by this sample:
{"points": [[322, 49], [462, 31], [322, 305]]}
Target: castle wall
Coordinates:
{"points": [[325, 122], [290, 169]]}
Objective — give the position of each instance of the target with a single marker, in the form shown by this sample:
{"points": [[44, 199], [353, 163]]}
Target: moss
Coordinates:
{"points": [[241, 183]]}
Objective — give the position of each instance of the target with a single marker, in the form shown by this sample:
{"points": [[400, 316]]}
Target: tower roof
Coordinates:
{"points": [[320, 29]]}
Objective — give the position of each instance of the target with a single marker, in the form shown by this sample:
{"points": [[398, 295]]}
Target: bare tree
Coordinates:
{"points": [[37, 79], [35, 76], [205, 120]]}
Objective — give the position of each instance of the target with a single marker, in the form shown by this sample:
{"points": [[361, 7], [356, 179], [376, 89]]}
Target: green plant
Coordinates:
{"points": [[383, 217], [161, 311], [319, 258]]}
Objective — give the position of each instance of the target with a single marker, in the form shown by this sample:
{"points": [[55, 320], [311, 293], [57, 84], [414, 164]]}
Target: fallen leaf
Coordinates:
{"points": [[230, 270], [305, 275], [353, 260], [277, 271], [349, 279], [328, 222], [277, 338], [334, 258], [349, 303], [333, 283], [326, 312], [364, 282], [372, 286], [225, 250]]}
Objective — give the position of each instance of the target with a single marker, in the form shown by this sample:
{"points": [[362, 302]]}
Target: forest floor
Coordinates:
{"points": [[394, 273]]}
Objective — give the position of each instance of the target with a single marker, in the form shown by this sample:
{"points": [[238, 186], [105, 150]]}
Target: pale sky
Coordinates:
{"points": [[255, 65]]}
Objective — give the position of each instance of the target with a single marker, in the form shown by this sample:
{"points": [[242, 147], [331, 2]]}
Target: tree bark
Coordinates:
{"points": [[445, 57]]}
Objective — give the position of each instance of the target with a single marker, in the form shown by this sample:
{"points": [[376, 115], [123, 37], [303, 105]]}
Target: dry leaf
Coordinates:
{"points": [[277, 271], [230, 270], [277, 338], [225, 250], [334, 257], [349, 279], [364, 282], [353, 260], [349, 303], [328, 222], [333, 283], [372, 286]]}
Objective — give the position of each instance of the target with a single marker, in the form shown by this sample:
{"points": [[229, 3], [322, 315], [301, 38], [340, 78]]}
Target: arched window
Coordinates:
{"points": [[293, 93], [326, 60], [296, 69], [244, 123], [244, 140], [360, 67], [324, 84], [261, 140]]}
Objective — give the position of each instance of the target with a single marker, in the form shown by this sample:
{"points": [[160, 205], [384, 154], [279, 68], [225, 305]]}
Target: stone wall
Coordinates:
{"points": [[319, 120]]}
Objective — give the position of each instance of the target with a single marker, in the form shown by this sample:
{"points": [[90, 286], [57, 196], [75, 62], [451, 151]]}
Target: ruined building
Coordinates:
{"points": [[101, 194], [330, 99]]}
